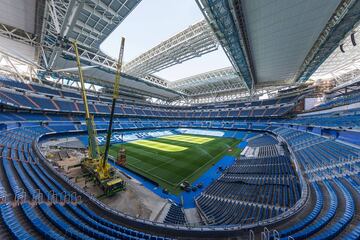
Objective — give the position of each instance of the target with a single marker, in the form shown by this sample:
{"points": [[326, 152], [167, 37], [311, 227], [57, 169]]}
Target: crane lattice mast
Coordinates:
{"points": [[103, 163], [93, 146]]}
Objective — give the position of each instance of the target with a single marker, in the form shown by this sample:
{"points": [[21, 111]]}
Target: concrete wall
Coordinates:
{"points": [[18, 13], [17, 49]]}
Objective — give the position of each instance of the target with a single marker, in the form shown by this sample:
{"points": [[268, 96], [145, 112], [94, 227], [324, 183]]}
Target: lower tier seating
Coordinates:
{"points": [[37, 193], [251, 190], [257, 188], [175, 215]]}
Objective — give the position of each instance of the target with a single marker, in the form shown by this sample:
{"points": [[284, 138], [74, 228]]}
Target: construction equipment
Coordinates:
{"points": [[121, 157], [115, 97], [96, 164]]}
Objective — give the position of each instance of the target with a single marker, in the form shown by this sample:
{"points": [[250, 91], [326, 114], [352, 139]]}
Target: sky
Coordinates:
{"points": [[154, 21]]}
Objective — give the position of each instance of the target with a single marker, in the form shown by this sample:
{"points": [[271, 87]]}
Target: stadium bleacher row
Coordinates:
{"points": [[253, 189], [45, 98], [320, 157], [340, 100], [268, 150], [339, 119], [262, 140], [175, 215], [255, 207]]}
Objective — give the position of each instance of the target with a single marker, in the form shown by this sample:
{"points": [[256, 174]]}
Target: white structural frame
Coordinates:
{"points": [[195, 41], [338, 17], [64, 19], [17, 68], [215, 97], [342, 65], [220, 80], [18, 35], [60, 19]]}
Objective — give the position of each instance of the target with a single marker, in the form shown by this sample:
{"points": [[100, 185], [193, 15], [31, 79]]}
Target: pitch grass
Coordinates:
{"points": [[188, 139], [170, 168], [159, 146]]}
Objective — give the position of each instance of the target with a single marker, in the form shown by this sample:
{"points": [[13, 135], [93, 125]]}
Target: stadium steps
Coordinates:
{"points": [[330, 204], [95, 108], [163, 212], [175, 215], [76, 107], [4, 180], [12, 222], [56, 218], [345, 218], [24, 222], [16, 177], [4, 233], [8, 98], [355, 222], [311, 212], [45, 220], [31, 87], [338, 213], [306, 216], [38, 224]]}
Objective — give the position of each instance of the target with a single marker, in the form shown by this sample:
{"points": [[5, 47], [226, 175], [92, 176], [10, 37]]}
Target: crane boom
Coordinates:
{"points": [[93, 149], [115, 96], [95, 164]]}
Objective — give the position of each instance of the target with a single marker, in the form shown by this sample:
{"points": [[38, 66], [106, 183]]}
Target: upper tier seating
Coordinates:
{"points": [[42, 97], [342, 119], [344, 99], [252, 190], [258, 195]]}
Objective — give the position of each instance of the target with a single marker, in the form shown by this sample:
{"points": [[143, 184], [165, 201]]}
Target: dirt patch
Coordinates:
{"points": [[136, 200]]}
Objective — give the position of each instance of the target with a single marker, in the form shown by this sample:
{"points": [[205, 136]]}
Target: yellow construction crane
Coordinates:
{"points": [[89, 119], [103, 167], [96, 164]]}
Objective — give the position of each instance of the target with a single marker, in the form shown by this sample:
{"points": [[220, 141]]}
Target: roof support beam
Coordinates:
{"points": [[18, 35], [225, 79], [194, 41], [89, 22], [107, 9], [87, 27], [220, 15], [61, 19], [239, 18], [345, 18]]}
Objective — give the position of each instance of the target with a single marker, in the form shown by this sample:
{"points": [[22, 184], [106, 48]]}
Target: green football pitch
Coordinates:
{"points": [[170, 160]]}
